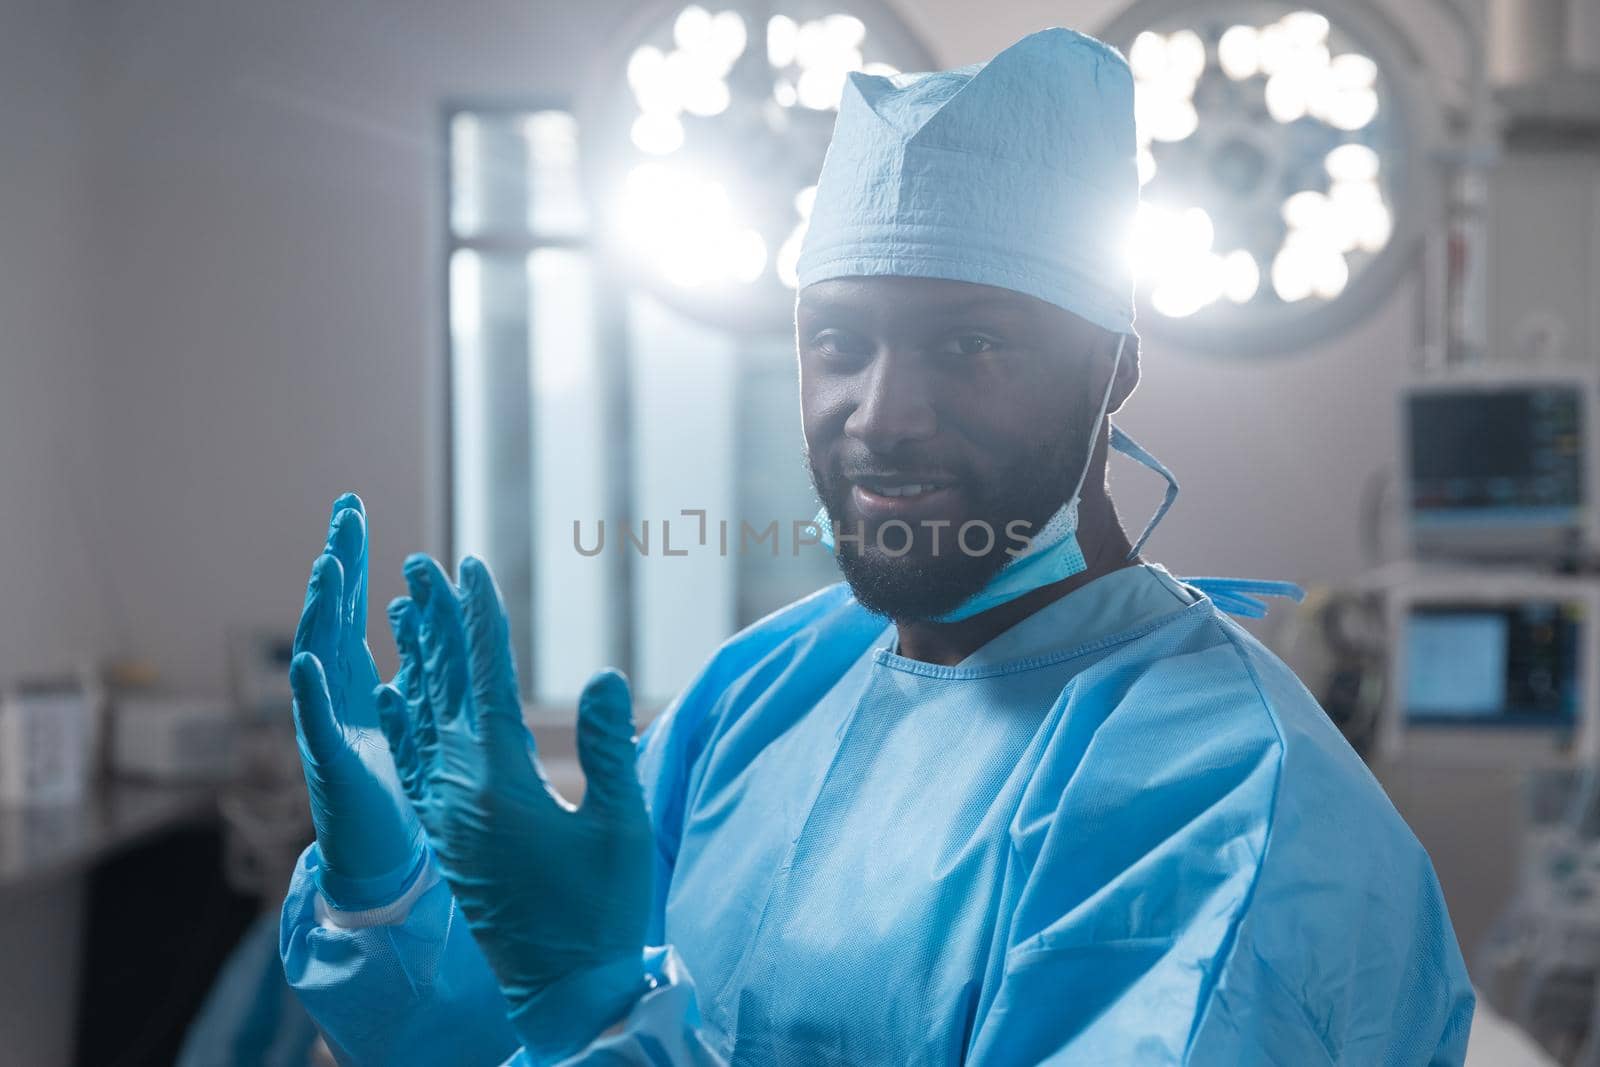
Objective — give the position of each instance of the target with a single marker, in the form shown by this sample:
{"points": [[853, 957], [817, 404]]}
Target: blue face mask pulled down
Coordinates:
{"points": [[1054, 553]]}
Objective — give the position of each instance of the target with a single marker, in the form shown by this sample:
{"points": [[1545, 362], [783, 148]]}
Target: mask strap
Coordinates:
{"points": [[1094, 430], [1136, 452]]}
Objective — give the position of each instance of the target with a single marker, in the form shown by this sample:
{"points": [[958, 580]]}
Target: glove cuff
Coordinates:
{"points": [[564, 1017], [344, 893]]}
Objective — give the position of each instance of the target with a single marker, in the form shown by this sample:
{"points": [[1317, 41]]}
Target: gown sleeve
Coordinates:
{"points": [[407, 984]]}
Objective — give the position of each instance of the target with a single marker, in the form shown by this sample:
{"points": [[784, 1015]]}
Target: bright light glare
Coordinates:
{"points": [[1373, 225], [1171, 249], [783, 40], [707, 96], [1148, 56], [826, 50], [846, 31], [1305, 210], [1171, 252], [657, 133], [1315, 220], [1305, 27], [1305, 268], [1288, 95], [1287, 46], [648, 77], [824, 45], [804, 200], [692, 29], [821, 89], [1186, 56], [1329, 276], [882, 70], [1351, 109], [1241, 276], [784, 93], [1239, 52], [685, 228], [1164, 110], [1273, 48], [1292, 270], [728, 37], [1352, 70], [1163, 117], [787, 264], [1352, 163]]}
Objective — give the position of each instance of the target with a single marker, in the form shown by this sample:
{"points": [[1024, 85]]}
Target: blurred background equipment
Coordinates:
{"points": [[169, 739], [1500, 462], [48, 732], [1494, 666]]}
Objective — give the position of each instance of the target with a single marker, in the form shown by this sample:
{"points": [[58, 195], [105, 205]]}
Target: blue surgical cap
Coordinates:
{"points": [[1018, 173]]}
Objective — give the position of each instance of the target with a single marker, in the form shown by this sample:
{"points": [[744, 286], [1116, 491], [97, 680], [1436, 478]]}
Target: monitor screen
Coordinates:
{"points": [[1514, 664], [1456, 664], [1506, 455]]}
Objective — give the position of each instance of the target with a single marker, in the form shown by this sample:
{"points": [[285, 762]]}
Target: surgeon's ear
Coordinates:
{"points": [[1127, 370]]}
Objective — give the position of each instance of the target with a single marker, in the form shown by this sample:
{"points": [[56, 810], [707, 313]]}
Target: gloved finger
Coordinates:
{"points": [[396, 723], [318, 630], [606, 745], [347, 540], [441, 638], [491, 666], [316, 730], [405, 622]]}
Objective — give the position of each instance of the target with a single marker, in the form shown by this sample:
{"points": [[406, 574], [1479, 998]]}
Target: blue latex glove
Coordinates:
{"points": [[557, 897], [368, 836]]}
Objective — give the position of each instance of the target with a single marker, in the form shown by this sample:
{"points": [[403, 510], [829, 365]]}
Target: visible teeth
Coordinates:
{"points": [[905, 490]]}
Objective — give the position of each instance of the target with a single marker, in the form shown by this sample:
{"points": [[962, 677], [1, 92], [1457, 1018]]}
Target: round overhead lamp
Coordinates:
{"points": [[712, 123], [1284, 164]]}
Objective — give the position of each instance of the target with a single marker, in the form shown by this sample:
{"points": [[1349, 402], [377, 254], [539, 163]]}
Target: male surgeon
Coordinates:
{"points": [[979, 803]]}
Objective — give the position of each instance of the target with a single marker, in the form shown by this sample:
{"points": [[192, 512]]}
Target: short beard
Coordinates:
{"points": [[920, 586]]}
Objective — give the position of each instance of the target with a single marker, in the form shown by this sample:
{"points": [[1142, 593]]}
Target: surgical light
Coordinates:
{"points": [[1282, 127], [723, 123]]}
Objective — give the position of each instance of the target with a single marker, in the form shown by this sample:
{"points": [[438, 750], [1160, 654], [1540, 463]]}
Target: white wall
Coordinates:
{"points": [[49, 445], [269, 206]]}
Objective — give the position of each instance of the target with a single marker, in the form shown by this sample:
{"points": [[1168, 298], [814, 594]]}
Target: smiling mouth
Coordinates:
{"points": [[897, 491], [911, 497], [898, 487]]}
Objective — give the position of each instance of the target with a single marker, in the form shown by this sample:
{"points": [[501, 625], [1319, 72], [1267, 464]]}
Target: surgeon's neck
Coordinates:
{"points": [[1105, 549]]}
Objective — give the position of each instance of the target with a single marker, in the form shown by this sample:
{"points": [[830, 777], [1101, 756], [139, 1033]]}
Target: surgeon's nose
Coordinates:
{"points": [[894, 408]]}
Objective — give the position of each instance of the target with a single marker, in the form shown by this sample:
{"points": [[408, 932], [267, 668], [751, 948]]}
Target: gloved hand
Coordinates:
{"points": [[368, 835], [557, 897]]}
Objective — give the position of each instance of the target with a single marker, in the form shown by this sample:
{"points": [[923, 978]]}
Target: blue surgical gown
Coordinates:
{"points": [[1120, 833]]}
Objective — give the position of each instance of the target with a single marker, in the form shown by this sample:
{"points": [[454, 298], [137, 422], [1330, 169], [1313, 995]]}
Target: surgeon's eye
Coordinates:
{"points": [[841, 345], [968, 344]]}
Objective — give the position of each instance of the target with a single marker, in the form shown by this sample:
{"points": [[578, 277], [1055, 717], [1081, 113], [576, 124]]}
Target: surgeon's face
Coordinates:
{"points": [[929, 404]]}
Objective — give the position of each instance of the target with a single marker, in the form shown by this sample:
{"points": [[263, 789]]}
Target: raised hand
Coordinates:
{"points": [[553, 894], [369, 839]]}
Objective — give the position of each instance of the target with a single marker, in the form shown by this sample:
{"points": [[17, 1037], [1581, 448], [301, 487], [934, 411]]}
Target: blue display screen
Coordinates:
{"points": [[1456, 665], [1505, 665]]}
